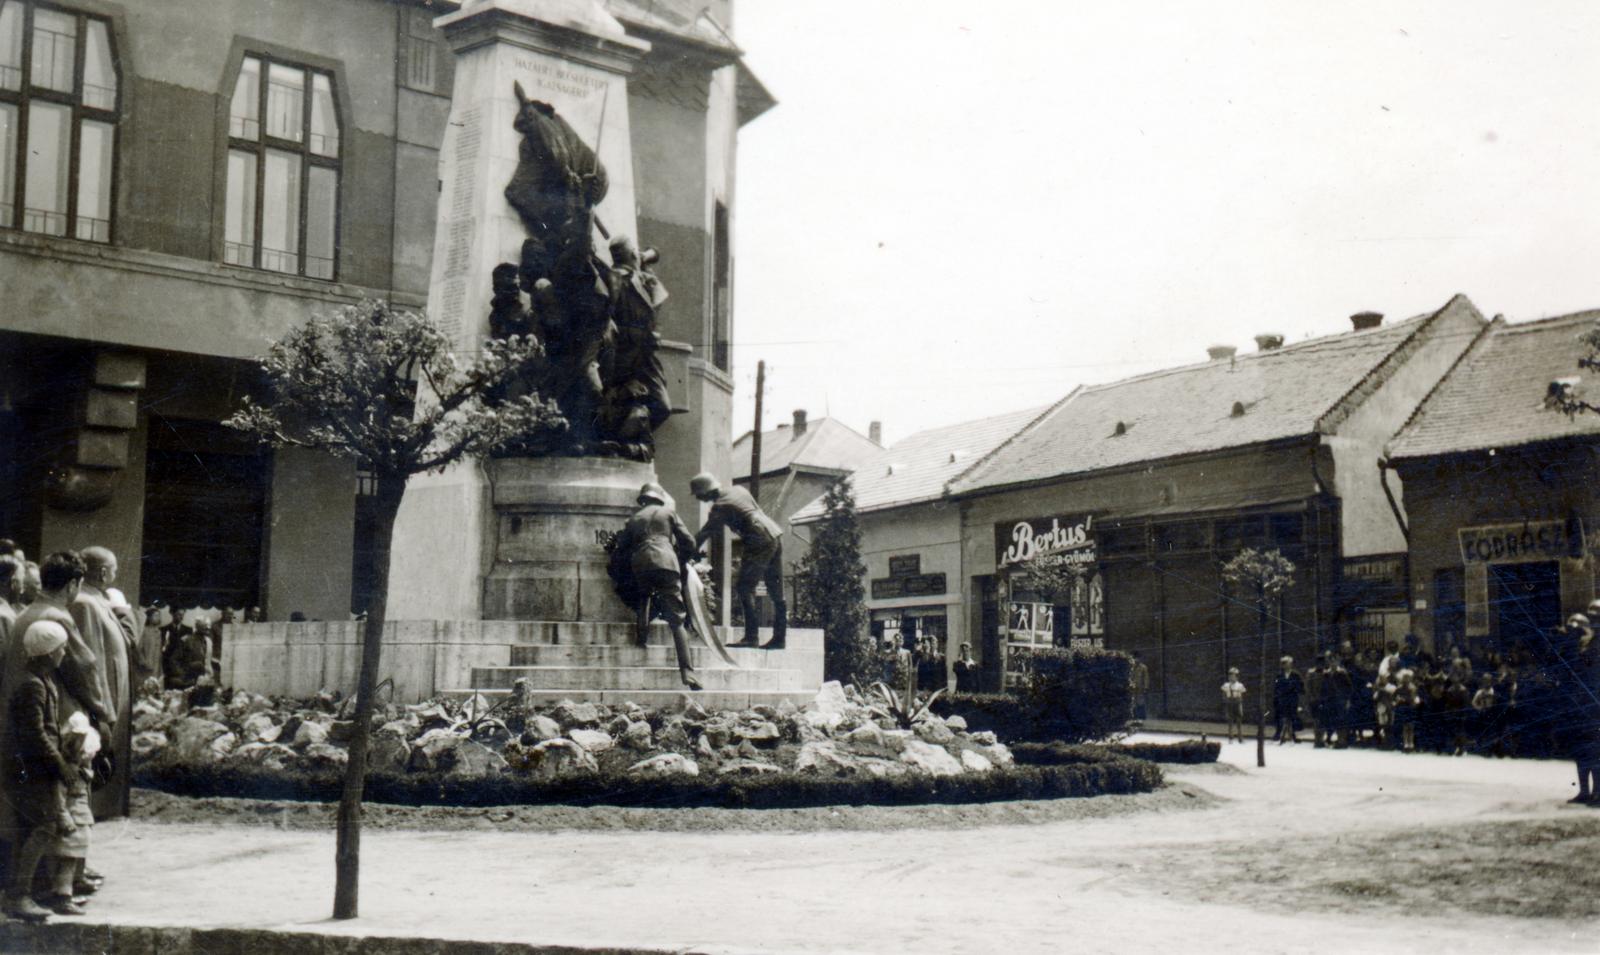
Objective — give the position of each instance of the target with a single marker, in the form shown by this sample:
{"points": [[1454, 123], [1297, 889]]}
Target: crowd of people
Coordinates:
{"points": [[1539, 699], [68, 664]]}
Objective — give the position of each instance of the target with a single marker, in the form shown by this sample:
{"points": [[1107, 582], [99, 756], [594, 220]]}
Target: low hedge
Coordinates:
{"points": [[780, 790], [1070, 754], [1183, 751]]}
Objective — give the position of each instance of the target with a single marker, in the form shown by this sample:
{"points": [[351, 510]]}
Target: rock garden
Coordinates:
{"points": [[840, 747]]}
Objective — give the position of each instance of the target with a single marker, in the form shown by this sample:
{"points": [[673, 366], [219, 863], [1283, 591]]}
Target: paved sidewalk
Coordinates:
{"points": [[1083, 885]]}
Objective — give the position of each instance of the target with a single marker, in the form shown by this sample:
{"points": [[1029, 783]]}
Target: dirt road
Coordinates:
{"points": [[1323, 851]]}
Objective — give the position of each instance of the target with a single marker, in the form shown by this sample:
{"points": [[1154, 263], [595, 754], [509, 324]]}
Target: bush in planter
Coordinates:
{"points": [[1070, 696]]}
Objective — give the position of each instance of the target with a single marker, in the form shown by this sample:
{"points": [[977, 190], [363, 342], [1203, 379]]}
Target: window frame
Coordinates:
{"points": [[27, 94], [265, 143]]}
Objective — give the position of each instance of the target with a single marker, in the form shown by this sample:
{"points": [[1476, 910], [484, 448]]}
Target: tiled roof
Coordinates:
{"points": [[1494, 397], [827, 445], [917, 468], [1253, 398]]}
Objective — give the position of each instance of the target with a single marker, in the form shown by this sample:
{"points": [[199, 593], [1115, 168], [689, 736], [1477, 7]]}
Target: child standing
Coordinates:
{"points": [[1286, 690], [80, 744], [1406, 702], [38, 773], [1233, 705]]}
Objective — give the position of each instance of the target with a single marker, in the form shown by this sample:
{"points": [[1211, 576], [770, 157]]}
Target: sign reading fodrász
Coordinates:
{"points": [[1514, 543]]}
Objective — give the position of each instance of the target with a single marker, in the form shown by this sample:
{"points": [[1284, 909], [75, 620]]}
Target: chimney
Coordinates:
{"points": [[1269, 341], [1362, 321], [799, 423], [1219, 352], [875, 433]]}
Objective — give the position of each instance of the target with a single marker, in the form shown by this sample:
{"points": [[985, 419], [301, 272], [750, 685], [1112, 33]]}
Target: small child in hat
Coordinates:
{"points": [[80, 745], [38, 774]]}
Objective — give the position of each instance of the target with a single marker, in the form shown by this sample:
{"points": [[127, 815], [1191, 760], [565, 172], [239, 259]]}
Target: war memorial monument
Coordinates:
{"points": [[499, 568]]}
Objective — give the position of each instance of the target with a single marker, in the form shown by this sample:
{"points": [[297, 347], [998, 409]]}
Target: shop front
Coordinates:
{"points": [[1049, 583]]}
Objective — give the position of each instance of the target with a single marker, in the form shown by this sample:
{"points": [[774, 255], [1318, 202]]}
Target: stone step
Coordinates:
{"points": [[567, 633], [711, 700], [535, 655], [589, 679]]}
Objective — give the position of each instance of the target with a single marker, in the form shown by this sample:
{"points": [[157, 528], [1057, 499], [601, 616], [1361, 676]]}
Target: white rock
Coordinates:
{"points": [[666, 764], [869, 735], [558, 757], [934, 731], [956, 722], [985, 738], [745, 767], [402, 729], [975, 762], [896, 740], [323, 755], [148, 743], [999, 754], [570, 714], [830, 698], [825, 756], [389, 753], [270, 755], [637, 735], [471, 758], [259, 728], [541, 728], [310, 734], [593, 741], [929, 759], [192, 738]]}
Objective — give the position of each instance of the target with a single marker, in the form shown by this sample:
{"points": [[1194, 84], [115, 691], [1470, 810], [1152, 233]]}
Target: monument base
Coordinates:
{"points": [[600, 663], [552, 516]]}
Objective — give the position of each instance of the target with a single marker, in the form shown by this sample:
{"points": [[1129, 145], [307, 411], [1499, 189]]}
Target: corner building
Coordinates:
{"points": [[1151, 483], [1504, 515], [183, 182]]}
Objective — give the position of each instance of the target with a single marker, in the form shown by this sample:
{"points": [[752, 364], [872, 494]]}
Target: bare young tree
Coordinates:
{"points": [[380, 385], [1263, 575]]}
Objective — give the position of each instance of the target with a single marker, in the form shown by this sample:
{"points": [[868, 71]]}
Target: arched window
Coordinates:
{"points": [[283, 170], [58, 121]]}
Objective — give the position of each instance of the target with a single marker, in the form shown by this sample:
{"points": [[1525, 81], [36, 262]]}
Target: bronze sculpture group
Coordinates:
{"points": [[596, 319]]}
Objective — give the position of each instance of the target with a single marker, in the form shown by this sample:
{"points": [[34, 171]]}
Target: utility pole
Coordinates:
{"points": [[755, 434]]}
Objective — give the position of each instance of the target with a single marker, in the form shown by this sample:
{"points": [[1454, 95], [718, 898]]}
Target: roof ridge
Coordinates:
{"points": [[1549, 321], [970, 422], [1335, 339], [1488, 331], [1034, 422], [1390, 361]]}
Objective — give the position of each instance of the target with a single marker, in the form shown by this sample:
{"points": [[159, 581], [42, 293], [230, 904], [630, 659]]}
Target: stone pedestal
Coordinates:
{"points": [[575, 56], [551, 516]]}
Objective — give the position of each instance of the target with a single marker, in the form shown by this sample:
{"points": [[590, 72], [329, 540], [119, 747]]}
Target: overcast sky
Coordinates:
{"points": [[959, 209]]}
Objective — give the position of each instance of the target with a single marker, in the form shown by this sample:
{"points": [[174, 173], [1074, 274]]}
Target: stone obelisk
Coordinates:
{"points": [[492, 540]]}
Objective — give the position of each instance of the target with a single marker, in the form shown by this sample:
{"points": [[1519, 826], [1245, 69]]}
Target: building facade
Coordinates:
{"points": [[911, 530], [1502, 509], [799, 461], [1139, 491], [181, 183]]}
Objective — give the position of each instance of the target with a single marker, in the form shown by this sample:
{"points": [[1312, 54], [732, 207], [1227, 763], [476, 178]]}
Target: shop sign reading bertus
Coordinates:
{"points": [[1045, 541]]}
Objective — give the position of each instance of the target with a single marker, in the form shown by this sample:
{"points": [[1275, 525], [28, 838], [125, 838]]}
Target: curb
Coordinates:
{"points": [[80, 938]]}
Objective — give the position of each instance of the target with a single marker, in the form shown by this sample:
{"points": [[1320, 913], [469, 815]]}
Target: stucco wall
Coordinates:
{"points": [[1447, 494], [1369, 526]]}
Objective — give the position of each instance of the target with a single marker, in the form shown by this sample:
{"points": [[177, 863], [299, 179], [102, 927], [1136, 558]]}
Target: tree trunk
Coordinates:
{"points": [[1261, 700], [347, 854]]}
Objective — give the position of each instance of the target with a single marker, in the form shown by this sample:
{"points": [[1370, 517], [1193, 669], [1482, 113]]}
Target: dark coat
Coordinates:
{"points": [[37, 756], [736, 510]]}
